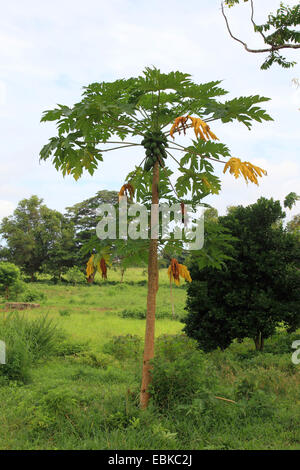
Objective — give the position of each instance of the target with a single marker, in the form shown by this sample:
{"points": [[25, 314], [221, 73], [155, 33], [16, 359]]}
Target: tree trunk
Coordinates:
{"points": [[91, 278], [259, 342], [122, 274], [172, 300], [151, 302], [262, 342]]}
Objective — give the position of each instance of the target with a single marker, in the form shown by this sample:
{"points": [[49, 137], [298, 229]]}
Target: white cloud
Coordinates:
{"points": [[6, 208]]}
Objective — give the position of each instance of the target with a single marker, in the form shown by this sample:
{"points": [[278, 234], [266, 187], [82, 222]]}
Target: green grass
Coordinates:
{"points": [[84, 398]]}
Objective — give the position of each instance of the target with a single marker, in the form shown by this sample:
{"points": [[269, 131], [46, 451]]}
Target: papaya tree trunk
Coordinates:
{"points": [[172, 300], [151, 302], [91, 278]]}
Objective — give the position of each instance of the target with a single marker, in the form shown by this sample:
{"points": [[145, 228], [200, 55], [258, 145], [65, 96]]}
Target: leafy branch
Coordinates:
{"points": [[282, 38]]}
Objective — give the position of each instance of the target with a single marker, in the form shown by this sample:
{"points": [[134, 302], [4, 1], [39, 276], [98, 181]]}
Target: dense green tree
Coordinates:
{"points": [[33, 234], [258, 290], [62, 252], [277, 33], [84, 218]]}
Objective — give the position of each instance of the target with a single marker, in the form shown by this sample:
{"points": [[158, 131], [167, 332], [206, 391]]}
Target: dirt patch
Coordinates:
{"points": [[20, 305]]}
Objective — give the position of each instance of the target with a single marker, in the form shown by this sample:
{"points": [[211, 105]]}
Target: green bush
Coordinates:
{"points": [[257, 404], [64, 312], [20, 291], [124, 347], [89, 358], [17, 290], [171, 347], [134, 313], [178, 379], [32, 295], [281, 343], [67, 347], [75, 276], [140, 314]]}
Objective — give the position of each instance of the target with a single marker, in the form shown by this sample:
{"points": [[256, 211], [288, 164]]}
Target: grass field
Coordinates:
{"points": [[84, 394]]}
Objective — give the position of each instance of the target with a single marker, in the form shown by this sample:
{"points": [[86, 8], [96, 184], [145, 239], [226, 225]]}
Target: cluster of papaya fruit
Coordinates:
{"points": [[155, 144]]}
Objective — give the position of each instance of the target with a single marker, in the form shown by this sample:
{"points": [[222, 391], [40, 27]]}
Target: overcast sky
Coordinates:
{"points": [[50, 49]]}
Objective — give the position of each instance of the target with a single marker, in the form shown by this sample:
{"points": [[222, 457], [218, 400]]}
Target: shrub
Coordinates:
{"points": [[281, 343], [64, 312], [134, 313], [140, 314], [177, 381], [60, 401], [9, 275], [258, 404], [88, 358], [69, 348], [74, 276], [17, 290], [31, 295], [171, 347], [124, 347]]}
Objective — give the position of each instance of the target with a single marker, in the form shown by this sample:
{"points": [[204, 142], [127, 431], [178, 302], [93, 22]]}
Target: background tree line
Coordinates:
{"points": [[38, 239]]}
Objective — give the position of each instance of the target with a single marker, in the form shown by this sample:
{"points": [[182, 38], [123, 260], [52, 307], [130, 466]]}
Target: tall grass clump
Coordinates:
{"points": [[26, 342]]}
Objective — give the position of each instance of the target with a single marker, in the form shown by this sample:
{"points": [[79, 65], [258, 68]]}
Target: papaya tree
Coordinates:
{"points": [[147, 113]]}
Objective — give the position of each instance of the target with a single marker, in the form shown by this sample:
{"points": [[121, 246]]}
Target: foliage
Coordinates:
{"points": [[258, 290], [90, 358], [176, 372], [277, 33], [35, 236], [31, 294], [124, 347], [293, 226], [26, 342], [290, 200], [84, 218], [74, 275], [9, 277], [17, 291], [141, 108], [136, 107], [71, 403], [140, 314], [170, 347]]}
